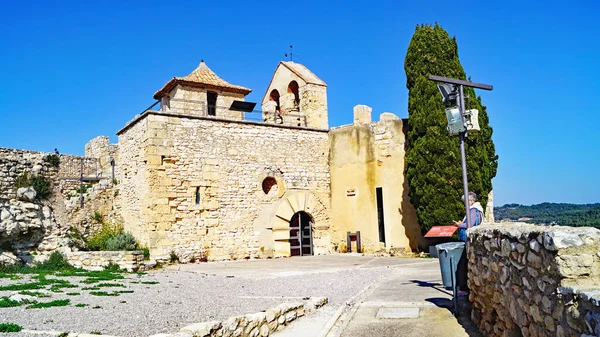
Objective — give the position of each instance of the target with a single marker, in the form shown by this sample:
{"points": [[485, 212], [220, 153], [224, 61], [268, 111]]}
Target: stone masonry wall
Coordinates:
{"points": [[126, 260], [169, 159], [264, 323], [528, 280]]}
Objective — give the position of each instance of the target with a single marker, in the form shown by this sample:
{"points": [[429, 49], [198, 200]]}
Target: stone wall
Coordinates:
{"points": [[528, 280], [193, 101], [364, 157], [194, 185], [106, 154], [127, 260], [263, 323]]}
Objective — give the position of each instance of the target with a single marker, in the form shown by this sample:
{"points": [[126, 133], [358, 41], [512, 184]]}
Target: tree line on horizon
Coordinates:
{"points": [[586, 215]]}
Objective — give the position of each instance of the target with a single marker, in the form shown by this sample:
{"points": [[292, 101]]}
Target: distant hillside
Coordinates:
{"points": [[549, 213]]}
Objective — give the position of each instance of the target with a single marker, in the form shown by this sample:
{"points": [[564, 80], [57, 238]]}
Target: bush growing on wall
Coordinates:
{"points": [[41, 185], [110, 237], [53, 160]]}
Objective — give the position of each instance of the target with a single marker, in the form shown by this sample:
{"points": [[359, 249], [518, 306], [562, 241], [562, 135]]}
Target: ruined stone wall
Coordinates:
{"points": [[40, 226], [168, 160], [528, 280], [101, 149]]}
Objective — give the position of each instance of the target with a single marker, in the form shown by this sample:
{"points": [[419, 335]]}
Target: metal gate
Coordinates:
{"points": [[301, 234]]}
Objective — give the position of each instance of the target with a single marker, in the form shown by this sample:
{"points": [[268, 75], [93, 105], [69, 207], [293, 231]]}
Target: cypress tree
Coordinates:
{"points": [[433, 163]]}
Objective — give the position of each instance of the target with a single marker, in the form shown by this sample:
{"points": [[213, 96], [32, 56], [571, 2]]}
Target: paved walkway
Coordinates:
{"points": [[411, 302], [412, 288], [270, 268]]}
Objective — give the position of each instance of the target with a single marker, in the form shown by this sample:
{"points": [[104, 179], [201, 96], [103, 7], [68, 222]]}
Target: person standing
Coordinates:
{"points": [[476, 217]]}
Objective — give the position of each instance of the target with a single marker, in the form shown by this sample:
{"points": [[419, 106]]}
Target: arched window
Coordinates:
{"points": [[274, 96], [293, 89]]}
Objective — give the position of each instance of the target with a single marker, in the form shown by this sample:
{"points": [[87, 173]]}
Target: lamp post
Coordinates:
{"points": [[460, 120]]}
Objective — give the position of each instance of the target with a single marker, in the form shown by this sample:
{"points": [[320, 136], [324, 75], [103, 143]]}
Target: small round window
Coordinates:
{"points": [[269, 185]]}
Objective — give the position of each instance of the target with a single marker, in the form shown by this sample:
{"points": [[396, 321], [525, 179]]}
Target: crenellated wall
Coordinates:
{"points": [[529, 280]]}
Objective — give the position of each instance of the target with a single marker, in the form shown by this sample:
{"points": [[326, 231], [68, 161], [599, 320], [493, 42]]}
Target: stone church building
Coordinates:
{"points": [[204, 175]]}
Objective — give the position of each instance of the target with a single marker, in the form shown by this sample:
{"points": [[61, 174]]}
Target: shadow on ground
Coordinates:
{"points": [[464, 306]]}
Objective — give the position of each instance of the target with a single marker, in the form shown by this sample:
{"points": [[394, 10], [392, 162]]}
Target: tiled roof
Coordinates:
{"points": [[303, 73], [201, 77]]}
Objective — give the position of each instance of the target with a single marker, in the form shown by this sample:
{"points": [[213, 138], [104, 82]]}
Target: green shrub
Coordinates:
{"points": [[10, 327], [53, 160], [98, 240], [146, 251], [84, 188], [98, 217], [173, 257], [55, 262], [113, 267], [42, 187], [22, 181], [121, 241]]}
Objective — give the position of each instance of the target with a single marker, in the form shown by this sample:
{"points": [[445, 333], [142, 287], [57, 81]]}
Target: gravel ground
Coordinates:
{"points": [[181, 298]]}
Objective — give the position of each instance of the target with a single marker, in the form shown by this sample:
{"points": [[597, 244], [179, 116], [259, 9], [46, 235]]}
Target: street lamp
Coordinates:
{"points": [[460, 120]]}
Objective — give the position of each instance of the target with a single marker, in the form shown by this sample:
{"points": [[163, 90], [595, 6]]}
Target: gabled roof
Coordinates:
{"points": [[201, 77], [303, 73]]}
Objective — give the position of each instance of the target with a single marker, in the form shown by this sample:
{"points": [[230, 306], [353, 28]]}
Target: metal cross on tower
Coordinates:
{"points": [[291, 54]]}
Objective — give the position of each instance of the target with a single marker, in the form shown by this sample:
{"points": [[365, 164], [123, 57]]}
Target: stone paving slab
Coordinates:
{"points": [[395, 313]]}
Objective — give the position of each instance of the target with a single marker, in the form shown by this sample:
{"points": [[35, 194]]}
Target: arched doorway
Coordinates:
{"points": [[301, 234]]}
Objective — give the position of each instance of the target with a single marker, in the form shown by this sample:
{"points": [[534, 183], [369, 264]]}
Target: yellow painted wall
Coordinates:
{"points": [[362, 158]]}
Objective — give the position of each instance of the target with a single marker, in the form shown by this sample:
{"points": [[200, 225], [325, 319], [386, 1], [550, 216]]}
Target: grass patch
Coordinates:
{"points": [[104, 293], [90, 288], [10, 327], [10, 276], [108, 285], [56, 290], [6, 302], [23, 286], [33, 293], [81, 305], [150, 282], [56, 303], [73, 294]]}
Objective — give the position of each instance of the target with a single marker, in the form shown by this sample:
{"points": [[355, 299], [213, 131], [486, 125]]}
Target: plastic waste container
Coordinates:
{"points": [[446, 252]]}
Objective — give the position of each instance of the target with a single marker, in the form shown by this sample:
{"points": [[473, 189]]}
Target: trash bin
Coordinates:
{"points": [[446, 251]]}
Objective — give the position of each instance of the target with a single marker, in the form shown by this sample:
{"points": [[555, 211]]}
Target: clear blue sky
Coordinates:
{"points": [[73, 70]]}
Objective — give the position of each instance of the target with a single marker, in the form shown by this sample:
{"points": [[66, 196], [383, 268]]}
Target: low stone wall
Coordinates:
{"points": [[127, 260], [262, 323], [528, 280]]}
